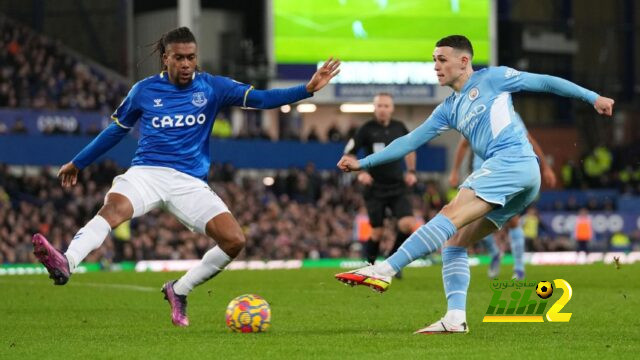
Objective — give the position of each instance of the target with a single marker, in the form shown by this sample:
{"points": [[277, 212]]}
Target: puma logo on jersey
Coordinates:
{"points": [[511, 73], [157, 103], [178, 120]]}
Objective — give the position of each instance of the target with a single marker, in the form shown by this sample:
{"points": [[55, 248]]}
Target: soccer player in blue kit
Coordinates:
{"points": [[175, 110], [509, 179]]}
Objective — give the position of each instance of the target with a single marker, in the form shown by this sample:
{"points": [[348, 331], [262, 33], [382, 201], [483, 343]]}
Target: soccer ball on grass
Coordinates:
{"points": [[248, 313]]}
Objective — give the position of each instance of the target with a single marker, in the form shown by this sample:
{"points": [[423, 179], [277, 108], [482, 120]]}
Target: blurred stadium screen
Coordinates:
{"points": [[376, 30]]}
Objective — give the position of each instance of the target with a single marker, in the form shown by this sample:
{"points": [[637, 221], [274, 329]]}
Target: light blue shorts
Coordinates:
{"points": [[510, 182]]}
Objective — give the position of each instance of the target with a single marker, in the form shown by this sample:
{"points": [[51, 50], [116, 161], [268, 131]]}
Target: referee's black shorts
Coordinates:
{"points": [[379, 199]]}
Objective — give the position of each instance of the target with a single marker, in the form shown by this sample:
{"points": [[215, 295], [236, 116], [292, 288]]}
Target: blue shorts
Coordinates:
{"points": [[510, 182]]}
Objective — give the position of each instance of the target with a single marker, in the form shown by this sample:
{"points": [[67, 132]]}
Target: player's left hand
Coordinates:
{"points": [[323, 75], [410, 178], [348, 163], [549, 177], [604, 105]]}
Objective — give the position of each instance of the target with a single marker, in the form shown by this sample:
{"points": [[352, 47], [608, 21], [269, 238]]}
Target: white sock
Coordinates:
{"points": [[384, 268], [90, 237], [211, 264], [456, 317]]}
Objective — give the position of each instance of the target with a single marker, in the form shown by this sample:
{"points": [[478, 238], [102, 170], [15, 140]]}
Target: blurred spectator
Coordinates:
{"points": [[19, 127], [530, 227], [312, 135], [583, 230], [620, 242], [222, 128], [334, 134]]}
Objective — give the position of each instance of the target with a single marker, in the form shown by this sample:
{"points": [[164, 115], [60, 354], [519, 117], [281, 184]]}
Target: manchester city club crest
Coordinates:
{"points": [[199, 99], [473, 94]]}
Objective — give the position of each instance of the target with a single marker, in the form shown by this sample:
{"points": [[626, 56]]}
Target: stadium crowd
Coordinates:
{"points": [[35, 72], [300, 215]]}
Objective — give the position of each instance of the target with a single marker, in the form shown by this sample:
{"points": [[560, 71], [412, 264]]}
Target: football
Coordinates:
{"points": [[544, 289], [248, 314]]}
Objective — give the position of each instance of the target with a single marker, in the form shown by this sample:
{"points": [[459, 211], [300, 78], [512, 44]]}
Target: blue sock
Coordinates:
{"points": [[490, 244], [427, 239], [517, 248], [455, 276]]}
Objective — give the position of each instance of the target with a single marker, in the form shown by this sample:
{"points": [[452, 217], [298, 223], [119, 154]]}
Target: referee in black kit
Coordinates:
{"points": [[386, 186]]}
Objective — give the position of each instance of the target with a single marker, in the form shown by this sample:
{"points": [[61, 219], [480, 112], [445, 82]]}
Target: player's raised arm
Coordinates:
{"points": [[323, 75], [432, 127], [124, 118], [246, 96], [513, 80]]}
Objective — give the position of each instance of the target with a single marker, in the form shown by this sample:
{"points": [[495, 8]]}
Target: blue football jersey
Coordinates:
{"points": [[483, 113], [175, 122]]}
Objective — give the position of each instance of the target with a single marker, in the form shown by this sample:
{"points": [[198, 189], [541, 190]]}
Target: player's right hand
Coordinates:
{"points": [[68, 174], [453, 179], [365, 178], [348, 163], [604, 105]]}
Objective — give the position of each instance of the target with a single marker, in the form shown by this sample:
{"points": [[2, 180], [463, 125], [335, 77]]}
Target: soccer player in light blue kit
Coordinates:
{"points": [[481, 109], [175, 110], [516, 234]]}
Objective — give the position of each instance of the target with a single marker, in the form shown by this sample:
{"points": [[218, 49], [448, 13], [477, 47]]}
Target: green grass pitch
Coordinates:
{"points": [[123, 316]]}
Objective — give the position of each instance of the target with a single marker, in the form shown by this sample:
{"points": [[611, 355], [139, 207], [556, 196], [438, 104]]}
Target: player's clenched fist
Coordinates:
{"points": [[604, 105], [348, 163]]}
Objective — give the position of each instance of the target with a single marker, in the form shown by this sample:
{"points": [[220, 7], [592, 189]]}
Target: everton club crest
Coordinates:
{"points": [[199, 99]]}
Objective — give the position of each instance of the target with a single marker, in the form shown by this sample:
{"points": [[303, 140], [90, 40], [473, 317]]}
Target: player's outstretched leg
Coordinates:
{"points": [[427, 239], [517, 251], [455, 277], [496, 256], [52, 259], [178, 304], [176, 291]]}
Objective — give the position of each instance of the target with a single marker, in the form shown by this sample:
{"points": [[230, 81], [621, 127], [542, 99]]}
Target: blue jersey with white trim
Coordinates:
{"points": [[175, 122], [483, 112]]}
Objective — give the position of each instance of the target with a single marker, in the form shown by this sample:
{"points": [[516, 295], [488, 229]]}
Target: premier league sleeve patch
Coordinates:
{"points": [[199, 99]]}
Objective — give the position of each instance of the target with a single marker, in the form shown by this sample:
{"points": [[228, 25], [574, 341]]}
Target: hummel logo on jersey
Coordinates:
{"points": [[199, 99], [157, 103]]}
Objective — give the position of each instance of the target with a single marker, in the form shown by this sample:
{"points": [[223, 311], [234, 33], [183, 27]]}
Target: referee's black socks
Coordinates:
{"points": [[371, 250], [400, 238]]}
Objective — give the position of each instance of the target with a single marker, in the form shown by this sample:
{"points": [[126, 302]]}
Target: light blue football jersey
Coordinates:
{"points": [[175, 122], [477, 160], [483, 113]]}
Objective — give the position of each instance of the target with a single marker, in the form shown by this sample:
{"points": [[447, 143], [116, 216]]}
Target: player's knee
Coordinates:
{"points": [[115, 213], [234, 243]]}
